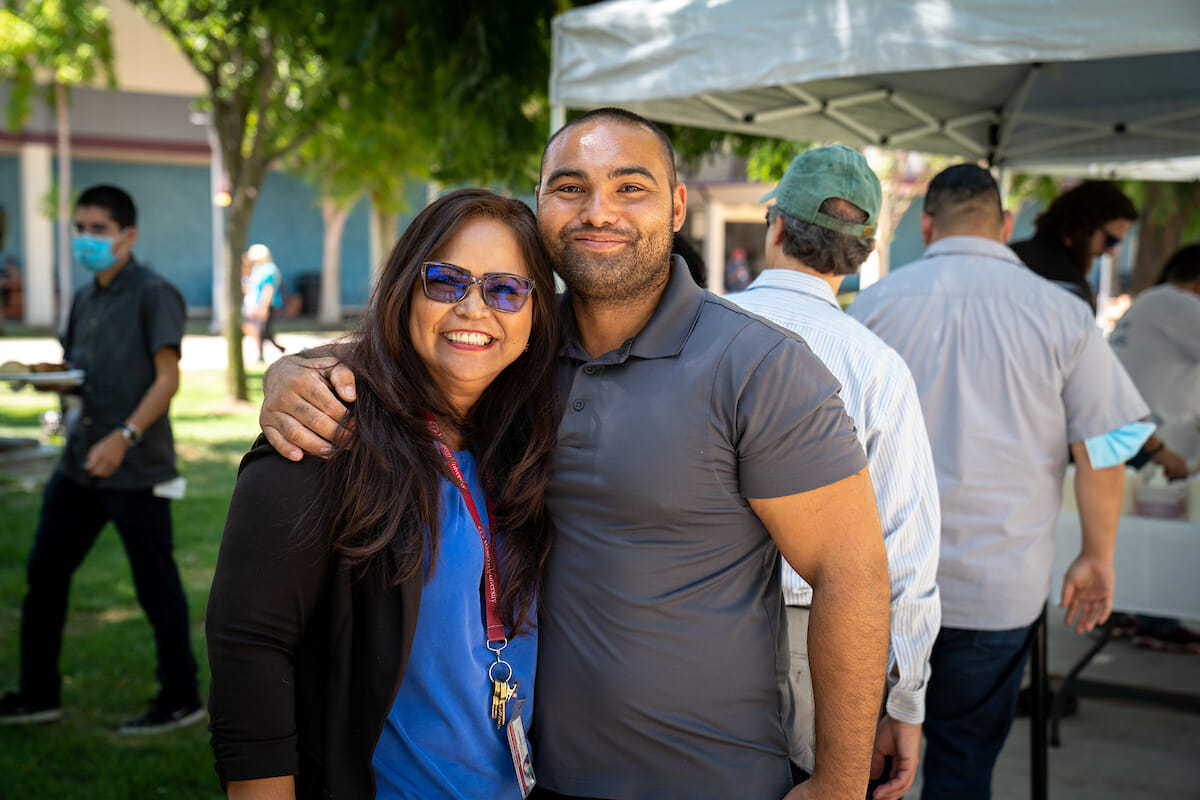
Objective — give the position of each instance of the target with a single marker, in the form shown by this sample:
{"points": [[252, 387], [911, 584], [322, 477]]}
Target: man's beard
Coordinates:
{"points": [[643, 264]]}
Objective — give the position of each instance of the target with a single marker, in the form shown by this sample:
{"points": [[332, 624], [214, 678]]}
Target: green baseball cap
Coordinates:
{"points": [[816, 175]]}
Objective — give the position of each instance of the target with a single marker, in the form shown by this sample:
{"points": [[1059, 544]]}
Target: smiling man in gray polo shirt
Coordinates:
{"points": [[698, 442]]}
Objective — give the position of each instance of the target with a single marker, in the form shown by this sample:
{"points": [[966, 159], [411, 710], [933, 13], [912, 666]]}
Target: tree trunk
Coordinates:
{"points": [[62, 112], [329, 307], [385, 229], [241, 211]]}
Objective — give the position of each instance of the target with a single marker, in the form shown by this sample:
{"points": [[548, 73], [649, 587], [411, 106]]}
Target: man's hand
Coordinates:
{"points": [[106, 455], [300, 412], [1175, 466], [901, 741], [1087, 592]]}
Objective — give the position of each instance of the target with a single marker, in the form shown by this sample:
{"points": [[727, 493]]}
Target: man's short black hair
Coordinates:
{"points": [[116, 201], [957, 185], [627, 117]]}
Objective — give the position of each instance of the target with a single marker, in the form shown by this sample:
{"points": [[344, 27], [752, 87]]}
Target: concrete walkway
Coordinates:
{"points": [[1112, 749]]}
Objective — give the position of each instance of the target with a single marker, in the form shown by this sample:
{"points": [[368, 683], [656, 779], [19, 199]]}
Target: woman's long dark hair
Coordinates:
{"points": [[1079, 212], [380, 494]]}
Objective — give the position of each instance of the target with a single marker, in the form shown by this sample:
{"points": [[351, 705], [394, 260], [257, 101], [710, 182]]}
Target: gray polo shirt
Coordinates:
{"points": [[1010, 370], [112, 336], [661, 649]]}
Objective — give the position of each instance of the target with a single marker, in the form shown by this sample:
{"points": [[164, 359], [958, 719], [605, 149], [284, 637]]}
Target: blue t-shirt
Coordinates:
{"points": [[440, 739], [264, 275]]}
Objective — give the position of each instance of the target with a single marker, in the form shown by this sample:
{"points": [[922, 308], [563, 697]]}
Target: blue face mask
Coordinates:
{"points": [[1117, 447], [95, 253]]}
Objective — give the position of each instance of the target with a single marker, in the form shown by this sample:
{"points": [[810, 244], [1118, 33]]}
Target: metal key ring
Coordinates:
{"points": [[500, 644], [499, 662]]}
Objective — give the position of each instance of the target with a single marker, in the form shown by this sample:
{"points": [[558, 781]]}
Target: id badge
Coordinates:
{"points": [[518, 748]]}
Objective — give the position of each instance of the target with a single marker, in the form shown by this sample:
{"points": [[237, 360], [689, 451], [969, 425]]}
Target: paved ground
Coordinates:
{"points": [[1111, 749]]}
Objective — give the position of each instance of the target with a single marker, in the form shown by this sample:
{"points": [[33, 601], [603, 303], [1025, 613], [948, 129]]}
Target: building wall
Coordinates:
{"points": [[174, 225]]}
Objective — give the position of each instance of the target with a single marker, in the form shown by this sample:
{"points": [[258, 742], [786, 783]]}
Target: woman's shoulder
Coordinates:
{"points": [[263, 470]]}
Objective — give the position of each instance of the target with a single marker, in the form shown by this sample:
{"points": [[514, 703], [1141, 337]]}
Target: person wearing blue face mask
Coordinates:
{"points": [[124, 332]]}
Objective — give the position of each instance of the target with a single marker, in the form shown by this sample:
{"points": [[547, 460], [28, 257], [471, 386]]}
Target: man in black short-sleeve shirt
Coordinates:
{"points": [[124, 332]]}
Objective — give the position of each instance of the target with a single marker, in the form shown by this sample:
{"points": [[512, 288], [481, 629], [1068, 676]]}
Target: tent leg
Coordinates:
{"points": [[1037, 712]]}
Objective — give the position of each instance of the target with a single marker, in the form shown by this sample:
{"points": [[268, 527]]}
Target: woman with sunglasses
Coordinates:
{"points": [[371, 626], [1082, 223]]}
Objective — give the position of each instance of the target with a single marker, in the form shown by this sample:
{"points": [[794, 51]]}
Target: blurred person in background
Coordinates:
{"points": [[1082, 223], [262, 297]]}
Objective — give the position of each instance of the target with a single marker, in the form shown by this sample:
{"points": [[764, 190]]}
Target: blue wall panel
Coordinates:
{"points": [[174, 229], [10, 199], [288, 221], [174, 226]]}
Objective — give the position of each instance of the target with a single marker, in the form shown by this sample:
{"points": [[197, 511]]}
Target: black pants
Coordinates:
{"points": [[72, 517]]}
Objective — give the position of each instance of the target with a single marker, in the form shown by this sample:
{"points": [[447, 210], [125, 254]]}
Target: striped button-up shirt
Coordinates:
{"points": [[879, 394]]}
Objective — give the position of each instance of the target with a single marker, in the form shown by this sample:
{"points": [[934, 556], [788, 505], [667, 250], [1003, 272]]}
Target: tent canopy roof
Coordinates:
{"points": [[1016, 82]]}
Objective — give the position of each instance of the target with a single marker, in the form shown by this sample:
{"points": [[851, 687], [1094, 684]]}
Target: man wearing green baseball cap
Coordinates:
{"points": [[819, 230]]}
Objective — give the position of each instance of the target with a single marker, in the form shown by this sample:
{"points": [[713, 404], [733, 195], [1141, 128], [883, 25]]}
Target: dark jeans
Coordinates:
{"points": [[969, 708], [72, 517]]}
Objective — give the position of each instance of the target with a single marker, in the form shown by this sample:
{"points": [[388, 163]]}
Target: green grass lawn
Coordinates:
{"points": [[108, 652]]}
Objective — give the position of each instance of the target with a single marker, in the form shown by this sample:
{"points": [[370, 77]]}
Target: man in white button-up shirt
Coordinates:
{"points": [[807, 260], [1012, 372]]}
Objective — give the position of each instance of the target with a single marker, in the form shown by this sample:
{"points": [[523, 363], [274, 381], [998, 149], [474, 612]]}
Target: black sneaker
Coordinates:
{"points": [[165, 716], [16, 709]]}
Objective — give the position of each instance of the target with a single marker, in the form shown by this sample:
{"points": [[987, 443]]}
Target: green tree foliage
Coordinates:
{"points": [[274, 72], [473, 75], [51, 42]]}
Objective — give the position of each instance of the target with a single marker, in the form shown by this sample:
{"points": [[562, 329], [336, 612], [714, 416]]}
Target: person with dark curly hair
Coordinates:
{"points": [[1082, 223]]}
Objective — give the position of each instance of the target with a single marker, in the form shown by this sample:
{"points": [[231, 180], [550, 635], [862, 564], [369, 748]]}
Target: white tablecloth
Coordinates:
{"points": [[1157, 562]]}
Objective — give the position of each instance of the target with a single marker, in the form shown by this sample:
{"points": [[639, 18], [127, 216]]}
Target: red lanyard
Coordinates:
{"points": [[491, 594]]}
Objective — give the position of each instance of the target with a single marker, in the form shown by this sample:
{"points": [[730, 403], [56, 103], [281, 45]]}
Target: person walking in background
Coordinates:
{"points": [[1012, 375], [262, 297], [124, 332], [1081, 224], [448, 442], [819, 231]]}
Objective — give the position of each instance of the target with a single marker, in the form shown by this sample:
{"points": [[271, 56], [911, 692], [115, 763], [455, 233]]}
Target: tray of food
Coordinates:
{"points": [[42, 376]]}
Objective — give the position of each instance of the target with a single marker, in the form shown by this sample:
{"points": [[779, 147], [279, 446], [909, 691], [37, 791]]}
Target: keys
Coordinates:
{"points": [[502, 692]]}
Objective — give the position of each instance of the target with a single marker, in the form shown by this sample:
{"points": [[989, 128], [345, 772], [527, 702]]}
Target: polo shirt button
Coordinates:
{"points": [[578, 405], [589, 370]]}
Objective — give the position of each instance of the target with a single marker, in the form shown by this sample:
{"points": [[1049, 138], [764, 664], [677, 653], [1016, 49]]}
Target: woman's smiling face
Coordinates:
{"points": [[465, 345]]}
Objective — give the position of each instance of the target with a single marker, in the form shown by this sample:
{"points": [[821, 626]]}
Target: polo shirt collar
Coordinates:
{"points": [[973, 246], [123, 278], [668, 329], [790, 280]]}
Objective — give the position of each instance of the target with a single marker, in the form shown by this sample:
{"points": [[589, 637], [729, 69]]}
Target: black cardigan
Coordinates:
{"points": [[306, 660]]}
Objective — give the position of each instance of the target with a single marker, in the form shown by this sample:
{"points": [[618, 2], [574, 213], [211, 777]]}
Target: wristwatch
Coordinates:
{"points": [[131, 435]]}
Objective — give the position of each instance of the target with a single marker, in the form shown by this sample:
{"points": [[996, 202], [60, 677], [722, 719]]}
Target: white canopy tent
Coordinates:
{"points": [[1014, 82]]}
